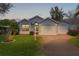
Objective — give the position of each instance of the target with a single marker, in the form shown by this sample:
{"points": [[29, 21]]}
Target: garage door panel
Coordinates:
{"points": [[47, 30], [62, 29]]}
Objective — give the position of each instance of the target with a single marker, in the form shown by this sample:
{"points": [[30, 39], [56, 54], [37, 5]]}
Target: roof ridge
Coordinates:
{"points": [[49, 19], [23, 20], [36, 16]]}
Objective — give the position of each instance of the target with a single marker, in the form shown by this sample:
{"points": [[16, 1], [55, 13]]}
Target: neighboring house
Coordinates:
{"points": [[73, 23], [45, 26]]}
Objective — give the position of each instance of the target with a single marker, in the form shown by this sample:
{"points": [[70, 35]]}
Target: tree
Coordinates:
{"points": [[4, 8], [4, 22], [14, 27], [56, 13], [70, 14], [76, 11]]}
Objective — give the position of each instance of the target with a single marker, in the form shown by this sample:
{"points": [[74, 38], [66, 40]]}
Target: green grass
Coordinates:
{"points": [[75, 41], [25, 45], [2, 38]]}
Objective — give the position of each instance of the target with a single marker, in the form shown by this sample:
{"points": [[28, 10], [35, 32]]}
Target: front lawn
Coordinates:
{"points": [[23, 46], [2, 38], [75, 40]]}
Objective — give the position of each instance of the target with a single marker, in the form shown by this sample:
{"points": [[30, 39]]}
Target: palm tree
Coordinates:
{"points": [[56, 13]]}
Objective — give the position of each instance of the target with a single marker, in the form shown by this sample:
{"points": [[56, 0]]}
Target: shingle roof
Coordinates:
{"points": [[73, 20], [49, 19], [35, 19], [38, 19], [24, 21]]}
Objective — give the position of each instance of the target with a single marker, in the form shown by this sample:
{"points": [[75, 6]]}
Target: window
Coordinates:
{"points": [[25, 27]]}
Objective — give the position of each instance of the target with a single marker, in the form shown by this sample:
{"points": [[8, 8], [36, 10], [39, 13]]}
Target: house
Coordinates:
{"points": [[73, 23], [44, 26]]}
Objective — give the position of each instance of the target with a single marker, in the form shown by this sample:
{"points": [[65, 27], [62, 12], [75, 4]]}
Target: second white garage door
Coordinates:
{"points": [[47, 30]]}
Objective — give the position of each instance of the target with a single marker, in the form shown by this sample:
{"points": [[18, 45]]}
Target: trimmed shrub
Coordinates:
{"points": [[31, 32]]}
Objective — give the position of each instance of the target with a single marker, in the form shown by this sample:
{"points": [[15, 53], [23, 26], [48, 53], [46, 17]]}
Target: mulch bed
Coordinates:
{"points": [[8, 41]]}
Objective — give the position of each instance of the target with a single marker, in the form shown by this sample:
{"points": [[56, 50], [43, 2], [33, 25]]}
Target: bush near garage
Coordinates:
{"points": [[73, 32]]}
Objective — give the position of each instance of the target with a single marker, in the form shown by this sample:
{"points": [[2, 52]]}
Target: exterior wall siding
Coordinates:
{"points": [[24, 32]]}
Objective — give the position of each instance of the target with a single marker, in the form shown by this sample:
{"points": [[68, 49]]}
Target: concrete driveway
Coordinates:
{"points": [[57, 45]]}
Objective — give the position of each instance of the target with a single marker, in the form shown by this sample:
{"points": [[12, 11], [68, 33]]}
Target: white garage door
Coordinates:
{"points": [[47, 30], [63, 29]]}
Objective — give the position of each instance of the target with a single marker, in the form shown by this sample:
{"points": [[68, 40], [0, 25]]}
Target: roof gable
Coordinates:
{"points": [[52, 21], [35, 19], [48, 21], [24, 21]]}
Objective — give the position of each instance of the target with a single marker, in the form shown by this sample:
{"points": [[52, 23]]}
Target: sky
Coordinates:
{"points": [[28, 10]]}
